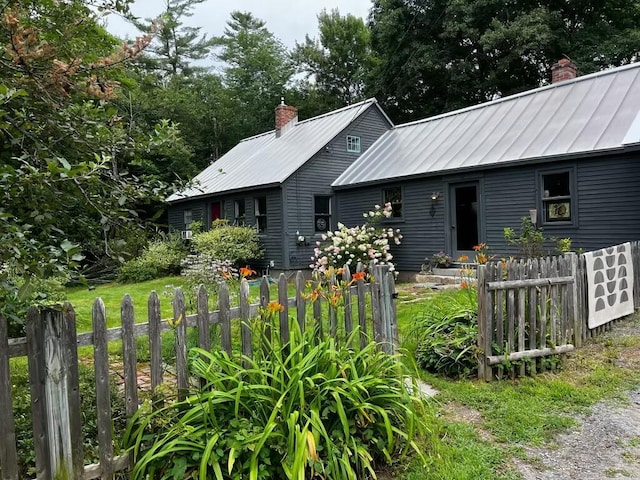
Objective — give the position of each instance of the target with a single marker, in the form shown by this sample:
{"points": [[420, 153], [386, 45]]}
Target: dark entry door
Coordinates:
{"points": [[216, 211], [465, 219]]}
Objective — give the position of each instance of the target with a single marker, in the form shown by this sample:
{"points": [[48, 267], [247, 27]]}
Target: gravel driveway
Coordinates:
{"points": [[606, 441]]}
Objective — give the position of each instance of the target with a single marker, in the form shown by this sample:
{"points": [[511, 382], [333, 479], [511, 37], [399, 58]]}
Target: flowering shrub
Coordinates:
{"points": [[441, 259], [367, 243], [203, 269]]}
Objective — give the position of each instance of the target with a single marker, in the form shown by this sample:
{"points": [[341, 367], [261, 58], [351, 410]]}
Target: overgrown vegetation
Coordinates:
{"points": [[306, 409], [160, 258], [237, 244], [447, 333]]}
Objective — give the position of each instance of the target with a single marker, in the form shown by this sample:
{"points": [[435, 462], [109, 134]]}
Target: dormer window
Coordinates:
{"points": [[353, 144]]}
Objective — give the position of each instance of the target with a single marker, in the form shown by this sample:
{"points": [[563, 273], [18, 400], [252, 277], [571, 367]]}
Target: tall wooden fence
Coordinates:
{"points": [[51, 347], [529, 310]]}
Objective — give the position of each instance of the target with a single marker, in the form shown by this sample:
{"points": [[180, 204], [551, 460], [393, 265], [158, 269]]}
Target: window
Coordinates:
{"points": [[188, 219], [239, 215], [556, 197], [394, 197], [322, 213], [353, 144], [261, 214]]}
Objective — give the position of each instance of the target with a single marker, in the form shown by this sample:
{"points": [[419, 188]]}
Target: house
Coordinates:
{"points": [[567, 154], [280, 181]]}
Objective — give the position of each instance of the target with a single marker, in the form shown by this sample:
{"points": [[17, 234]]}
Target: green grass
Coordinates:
{"points": [[527, 411], [112, 294]]}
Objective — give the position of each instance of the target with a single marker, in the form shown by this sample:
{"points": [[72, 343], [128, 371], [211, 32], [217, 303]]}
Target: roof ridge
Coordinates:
{"points": [[371, 101], [497, 101]]}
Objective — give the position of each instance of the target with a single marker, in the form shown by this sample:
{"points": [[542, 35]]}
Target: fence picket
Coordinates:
{"points": [[499, 316], [129, 356], [224, 317], [155, 340], [103, 390], [264, 301], [180, 326], [533, 274], [283, 299], [245, 317], [301, 305], [348, 314], [362, 304], [204, 337], [522, 298]]}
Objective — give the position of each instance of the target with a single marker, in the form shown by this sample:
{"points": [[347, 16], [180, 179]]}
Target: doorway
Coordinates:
{"points": [[465, 219], [216, 211]]}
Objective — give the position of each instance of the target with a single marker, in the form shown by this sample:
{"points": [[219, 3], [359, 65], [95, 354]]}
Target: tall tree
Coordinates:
{"points": [[257, 69], [341, 59], [176, 46], [439, 55]]}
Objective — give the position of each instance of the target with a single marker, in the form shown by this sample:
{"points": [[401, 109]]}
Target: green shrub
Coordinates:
{"points": [[447, 334], [228, 242], [308, 409], [159, 259]]}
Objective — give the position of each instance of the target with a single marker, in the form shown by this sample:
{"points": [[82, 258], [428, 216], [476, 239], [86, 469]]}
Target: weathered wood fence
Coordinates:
{"points": [[51, 346], [532, 309]]}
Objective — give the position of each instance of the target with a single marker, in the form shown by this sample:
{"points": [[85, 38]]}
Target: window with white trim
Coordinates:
{"points": [[353, 144], [322, 213], [557, 197], [239, 212], [261, 213], [188, 219]]}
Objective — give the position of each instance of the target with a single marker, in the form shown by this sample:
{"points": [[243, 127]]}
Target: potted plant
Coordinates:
{"points": [[441, 260]]}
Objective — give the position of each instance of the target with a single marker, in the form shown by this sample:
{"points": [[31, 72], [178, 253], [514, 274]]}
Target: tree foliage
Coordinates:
{"points": [[67, 158], [175, 46], [257, 69], [439, 55], [341, 60]]}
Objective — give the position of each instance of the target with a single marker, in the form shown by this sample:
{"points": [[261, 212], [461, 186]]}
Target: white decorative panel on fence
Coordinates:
{"points": [[609, 284]]}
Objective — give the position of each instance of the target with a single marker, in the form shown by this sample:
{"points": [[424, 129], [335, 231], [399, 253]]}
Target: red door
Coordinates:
{"points": [[216, 211]]}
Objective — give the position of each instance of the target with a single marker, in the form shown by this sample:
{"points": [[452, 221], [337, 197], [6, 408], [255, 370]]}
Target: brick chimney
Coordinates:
{"points": [[286, 117], [565, 69]]}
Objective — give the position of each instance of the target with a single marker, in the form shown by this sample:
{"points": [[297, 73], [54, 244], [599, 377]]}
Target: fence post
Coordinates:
{"points": [[384, 299], [8, 453], [482, 322], [55, 397]]}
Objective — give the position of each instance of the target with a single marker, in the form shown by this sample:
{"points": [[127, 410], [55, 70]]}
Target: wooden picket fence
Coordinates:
{"points": [[51, 346], [529, 310]]}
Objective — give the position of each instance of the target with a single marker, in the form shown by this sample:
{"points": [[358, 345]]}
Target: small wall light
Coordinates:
{"points": [[533, 215], [434, 198]]}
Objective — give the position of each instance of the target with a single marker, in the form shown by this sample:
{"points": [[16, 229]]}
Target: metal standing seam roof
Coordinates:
{"points": [[592, 113], [266, 159]]}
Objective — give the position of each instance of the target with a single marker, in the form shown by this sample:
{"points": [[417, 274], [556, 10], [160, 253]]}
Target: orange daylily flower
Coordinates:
{"points": [[246, 272], [463, 258], [274, 307], [479, 247], [358, 276], [340, 271], [335, 298], [464, 285]]}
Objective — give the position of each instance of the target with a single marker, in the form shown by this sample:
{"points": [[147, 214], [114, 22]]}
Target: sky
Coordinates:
{"points": [[288, 20]]}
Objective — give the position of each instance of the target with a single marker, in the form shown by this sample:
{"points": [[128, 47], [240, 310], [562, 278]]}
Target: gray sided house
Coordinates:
{"points": [[280, 181], [568, 153]]}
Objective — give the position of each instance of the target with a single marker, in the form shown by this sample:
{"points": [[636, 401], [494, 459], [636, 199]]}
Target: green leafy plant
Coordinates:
{"points": [[447, 333], [563, 245], [441, 259], [530, 240], [308, 409], [160, 258], [237, 244]]}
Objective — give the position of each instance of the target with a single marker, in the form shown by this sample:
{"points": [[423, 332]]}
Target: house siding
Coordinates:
{"points": [[271, 240], [315, 178], [608, 206]]}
